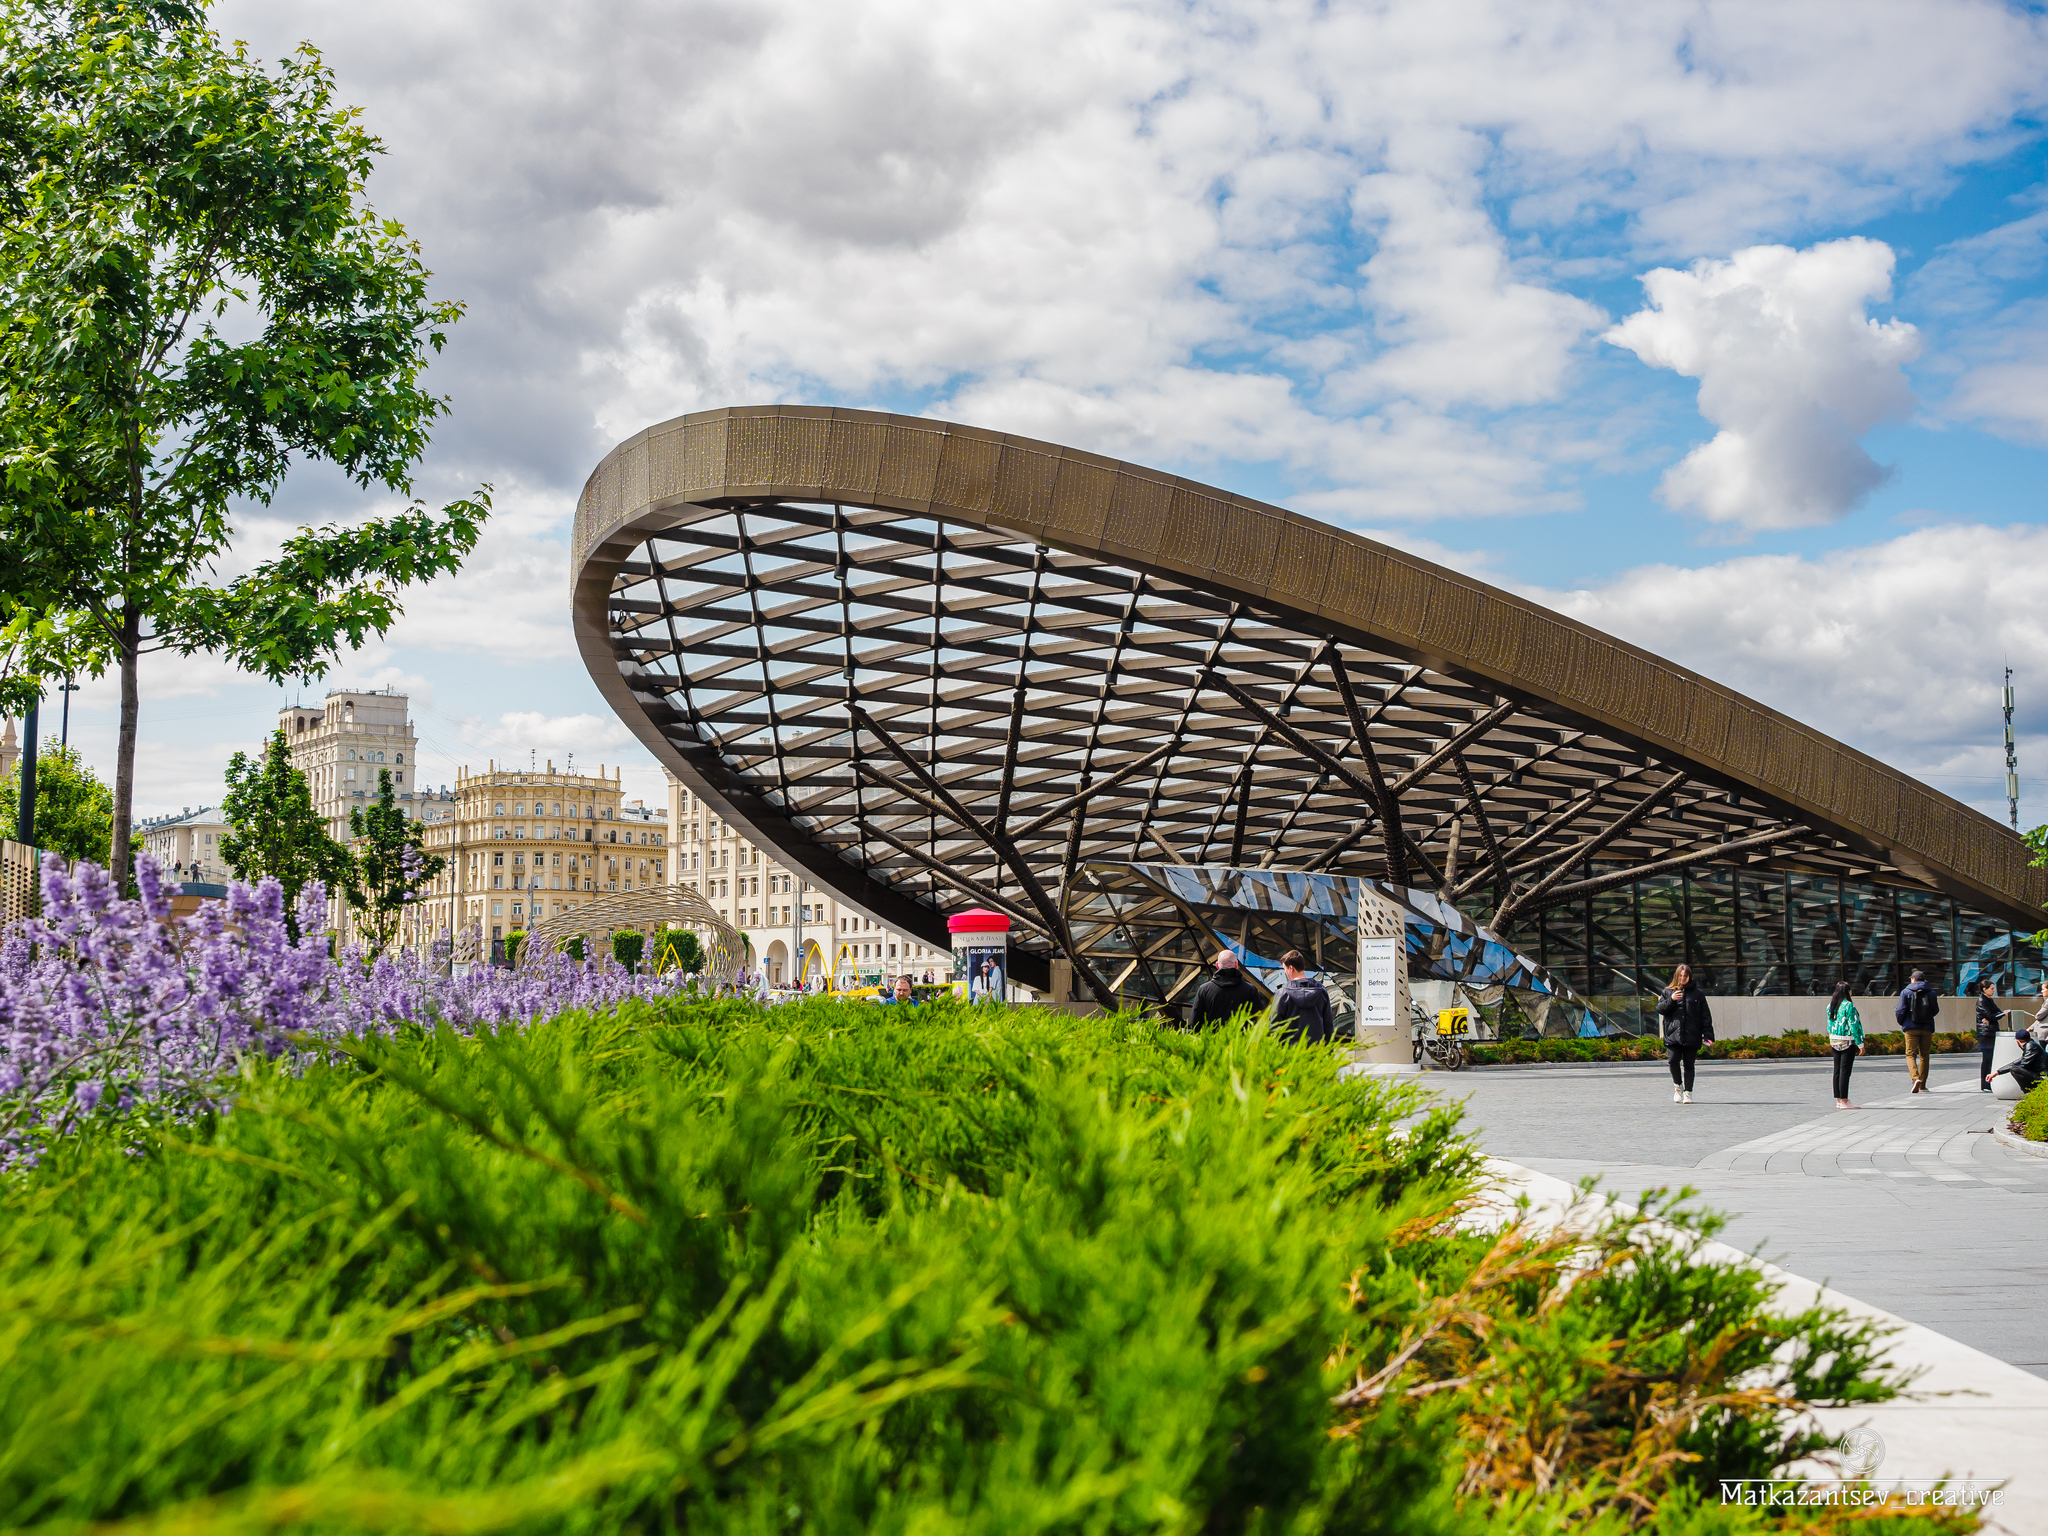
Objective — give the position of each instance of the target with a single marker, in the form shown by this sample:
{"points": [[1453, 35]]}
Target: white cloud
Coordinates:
{"points": [[1896, 648], [1791, 370], [1351, 221]]}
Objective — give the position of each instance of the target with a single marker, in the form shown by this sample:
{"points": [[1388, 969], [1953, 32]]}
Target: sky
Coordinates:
{"points": [[1719, 326]]}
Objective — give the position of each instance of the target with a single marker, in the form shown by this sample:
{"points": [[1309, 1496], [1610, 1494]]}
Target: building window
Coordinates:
{"points": [[497, 909]]}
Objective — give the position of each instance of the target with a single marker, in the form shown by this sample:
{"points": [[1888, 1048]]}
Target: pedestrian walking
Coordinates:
{"points": [[1218, 999], [1845, 1039], [1918, 1011], [1301, 1008], [903, 994], [1988, 1015], [1688, 1025]]}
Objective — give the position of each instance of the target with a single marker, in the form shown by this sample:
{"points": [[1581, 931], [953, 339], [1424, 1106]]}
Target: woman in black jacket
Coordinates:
{"points": [[1688, 1025], [1988, 1015]]}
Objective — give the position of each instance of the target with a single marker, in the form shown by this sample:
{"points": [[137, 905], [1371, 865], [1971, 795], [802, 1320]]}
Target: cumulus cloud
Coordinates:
{"points": [[1791, 370], [1338, 240], [1352, 220], [1897, 648]]}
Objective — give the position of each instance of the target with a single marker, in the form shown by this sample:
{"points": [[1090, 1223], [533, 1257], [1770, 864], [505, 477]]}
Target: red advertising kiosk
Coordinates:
{"points": [[981, 955]]}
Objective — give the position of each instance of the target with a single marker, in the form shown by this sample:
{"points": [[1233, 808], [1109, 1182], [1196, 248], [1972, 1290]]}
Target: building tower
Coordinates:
{"points": [[342, 745]]}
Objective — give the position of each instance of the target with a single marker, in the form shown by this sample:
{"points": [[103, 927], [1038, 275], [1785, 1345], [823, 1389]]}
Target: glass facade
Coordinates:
{"points": [[1765, 933]]}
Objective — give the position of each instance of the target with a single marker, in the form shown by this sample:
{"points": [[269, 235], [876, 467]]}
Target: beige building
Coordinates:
{"points": [[782, 916], [187, 846], [344, 744], [524, 845]]}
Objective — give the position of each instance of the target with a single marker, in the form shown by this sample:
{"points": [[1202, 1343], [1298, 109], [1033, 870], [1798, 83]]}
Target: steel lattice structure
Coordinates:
{"points": [[929, 664]]}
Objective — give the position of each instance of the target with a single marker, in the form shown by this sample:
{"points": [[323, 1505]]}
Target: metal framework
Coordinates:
{"points": [[930, 665], [648, 911]]}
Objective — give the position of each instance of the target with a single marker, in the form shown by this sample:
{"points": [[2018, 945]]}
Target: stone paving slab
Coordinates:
{"points": [[1909, 1204], [1968, 1416]]}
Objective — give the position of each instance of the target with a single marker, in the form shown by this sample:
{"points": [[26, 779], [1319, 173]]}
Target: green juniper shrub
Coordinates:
{"points": [[627, 945], [2030, 1115], [515, 945], [706, 1267], [573, 947], [676, 949]]}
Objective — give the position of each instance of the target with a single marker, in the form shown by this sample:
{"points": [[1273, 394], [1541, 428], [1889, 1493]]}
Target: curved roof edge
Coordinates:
{"points": [[1326, 578]]}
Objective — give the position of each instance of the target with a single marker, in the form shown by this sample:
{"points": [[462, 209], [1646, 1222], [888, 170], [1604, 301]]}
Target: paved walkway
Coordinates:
{"points": [[1908, 1204]]}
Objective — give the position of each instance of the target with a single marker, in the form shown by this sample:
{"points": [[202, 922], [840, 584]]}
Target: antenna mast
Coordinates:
{"points": [[2012, 761]]}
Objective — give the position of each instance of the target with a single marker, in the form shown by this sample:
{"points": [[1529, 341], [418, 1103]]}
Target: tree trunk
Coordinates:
{"points": [[124, 759]]}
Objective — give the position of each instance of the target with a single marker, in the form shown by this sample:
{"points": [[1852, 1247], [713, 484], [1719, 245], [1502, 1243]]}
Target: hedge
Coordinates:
{"points": [[706, 1267], [2030, 1115], [1795, 1043]]}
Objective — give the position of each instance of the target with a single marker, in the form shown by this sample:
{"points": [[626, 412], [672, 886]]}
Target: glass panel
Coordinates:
{"points": [[1762, 937], [1986, 950], [1925, 937], [1660, 912], [1710, 929], [1816, 934], [1564, 942], [1615, 983], [1872, 959], [2026, 966]]}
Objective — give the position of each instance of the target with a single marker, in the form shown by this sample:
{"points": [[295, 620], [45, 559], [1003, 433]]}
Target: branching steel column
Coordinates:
{"points": [[1599, 883], [1382, 797], [1493, 854], [1511, 904], [966, 884], [1003, 848]]}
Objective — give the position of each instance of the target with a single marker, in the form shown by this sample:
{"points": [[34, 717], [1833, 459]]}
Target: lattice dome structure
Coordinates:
{"points": [[932, 665]]}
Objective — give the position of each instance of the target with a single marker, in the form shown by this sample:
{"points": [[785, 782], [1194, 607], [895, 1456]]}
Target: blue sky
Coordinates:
{"points": [[1385, 265]]}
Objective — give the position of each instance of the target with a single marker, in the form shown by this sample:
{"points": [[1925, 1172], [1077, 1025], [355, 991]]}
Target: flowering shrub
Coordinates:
{"points": [[109, 1006]]}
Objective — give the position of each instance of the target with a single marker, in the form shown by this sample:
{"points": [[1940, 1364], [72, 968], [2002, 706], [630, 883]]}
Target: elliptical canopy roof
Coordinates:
{"points": [[933, 665]]}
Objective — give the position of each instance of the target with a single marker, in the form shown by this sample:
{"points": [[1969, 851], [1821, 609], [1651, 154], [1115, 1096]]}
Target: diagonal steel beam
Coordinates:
{"points": [[1383, 798], [1493, 854], [1511, 904], [1306, 745], [965, 884], [1018, 865], [1054, 812], [1455, 744], [1599, 883]]}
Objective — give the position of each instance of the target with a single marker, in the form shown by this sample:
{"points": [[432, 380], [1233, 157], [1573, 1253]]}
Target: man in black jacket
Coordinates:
{"points": [[1218, 998], [1301, 1008]]}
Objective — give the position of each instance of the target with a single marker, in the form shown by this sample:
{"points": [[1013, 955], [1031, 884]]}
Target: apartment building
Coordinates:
{"points": [[343, 745], [527, 845], [186, 846], [784, 917]]}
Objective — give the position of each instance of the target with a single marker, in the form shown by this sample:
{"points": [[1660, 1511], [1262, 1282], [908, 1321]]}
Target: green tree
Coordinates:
{"points": [[274, 830], [74, 810], [627, 947], [194, 296], [677, 948], [390, 865]]}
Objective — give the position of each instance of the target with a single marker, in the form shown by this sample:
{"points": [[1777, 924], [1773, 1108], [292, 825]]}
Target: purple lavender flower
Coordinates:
{"points": [[106, 1001]]}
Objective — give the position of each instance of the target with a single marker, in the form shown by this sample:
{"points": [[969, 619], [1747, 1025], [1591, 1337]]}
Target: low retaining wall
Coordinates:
{"points": [[1735, 1016]]}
